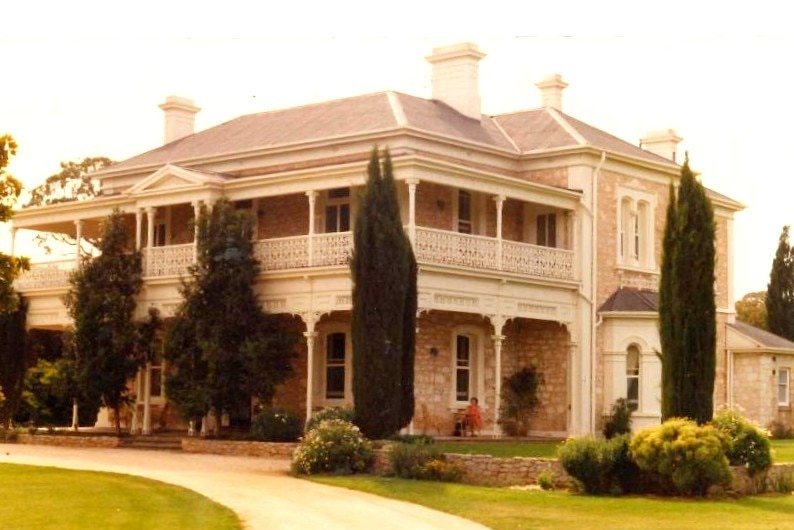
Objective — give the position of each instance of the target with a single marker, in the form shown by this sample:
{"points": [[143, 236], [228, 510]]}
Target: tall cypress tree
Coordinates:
{"points": [[384, 308], [780, 290], [687, 307], [668, 312]]}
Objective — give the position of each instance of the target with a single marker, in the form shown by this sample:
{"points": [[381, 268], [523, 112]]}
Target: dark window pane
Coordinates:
{"points": [[551, 238], [462, 385], [462, 350], [156, 382], [336, 348], [335, 382], [344, 217], [330, 219]]}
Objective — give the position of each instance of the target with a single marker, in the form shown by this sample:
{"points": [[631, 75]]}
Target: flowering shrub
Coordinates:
{"points": [[748, 445], [690, 457], [333, 413], [276, 425], [333, 446]]}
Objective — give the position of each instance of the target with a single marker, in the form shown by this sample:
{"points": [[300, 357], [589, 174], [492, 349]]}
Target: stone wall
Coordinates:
{"points": [[238, 448], [71, 440], [485, 470]]}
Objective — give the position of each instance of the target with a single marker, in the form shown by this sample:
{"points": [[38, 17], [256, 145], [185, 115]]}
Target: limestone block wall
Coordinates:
{"points": [[238, 448], [754, 391], [75, 440]]}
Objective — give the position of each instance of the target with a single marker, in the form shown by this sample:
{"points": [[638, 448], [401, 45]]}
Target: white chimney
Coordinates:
{"points": [[551, 88], [180, 117], [663, 143], [456, 77]]}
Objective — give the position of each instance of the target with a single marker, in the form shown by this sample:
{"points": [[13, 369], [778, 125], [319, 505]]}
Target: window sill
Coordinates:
{"points": [[637, 268]]}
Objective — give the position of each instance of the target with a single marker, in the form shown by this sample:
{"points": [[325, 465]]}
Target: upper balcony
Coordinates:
{"points": [[453, 230]]}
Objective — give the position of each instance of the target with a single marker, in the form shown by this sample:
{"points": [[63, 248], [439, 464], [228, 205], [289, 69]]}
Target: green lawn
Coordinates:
{"points": [[784, 449], [46, 498], [506, 509]]}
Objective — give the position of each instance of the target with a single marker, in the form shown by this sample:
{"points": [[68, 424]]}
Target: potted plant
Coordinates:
{"points": [[519, 401]]}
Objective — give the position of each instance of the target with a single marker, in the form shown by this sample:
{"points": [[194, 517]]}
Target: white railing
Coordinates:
{"points": [[327, 250], [49, 275], [453, 248], [282, 253], [464, 250], [171, 260], [332, 249]]}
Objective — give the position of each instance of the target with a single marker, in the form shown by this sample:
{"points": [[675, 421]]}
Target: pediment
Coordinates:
{"points": [[170, 177]]}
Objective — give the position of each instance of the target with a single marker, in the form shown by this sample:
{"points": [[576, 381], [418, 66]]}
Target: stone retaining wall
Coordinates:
{"points": [[238, 448], [72, 440], [485, 470]]}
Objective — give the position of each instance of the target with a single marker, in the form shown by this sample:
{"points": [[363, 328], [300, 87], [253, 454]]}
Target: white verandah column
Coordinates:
{"points": [[149, 238], [412, 183], [138, 228], [312, 195], [78, 236], [147, 399], [500, 201], [310, 318], [498, 322], [196, 214], [13, 240]]}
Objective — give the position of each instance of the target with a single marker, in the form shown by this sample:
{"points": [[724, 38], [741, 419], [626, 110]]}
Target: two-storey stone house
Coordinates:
{"points": [[538, 240]]}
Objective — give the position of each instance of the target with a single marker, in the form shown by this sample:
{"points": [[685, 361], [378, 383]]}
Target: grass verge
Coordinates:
{"points": [[503, 509], [47, 498]]}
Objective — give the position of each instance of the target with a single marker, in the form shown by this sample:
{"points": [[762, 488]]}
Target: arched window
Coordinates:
{"points": [[633, 377]]}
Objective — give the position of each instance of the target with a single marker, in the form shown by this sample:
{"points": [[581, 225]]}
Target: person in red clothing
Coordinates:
{"points": [[472, 421]]}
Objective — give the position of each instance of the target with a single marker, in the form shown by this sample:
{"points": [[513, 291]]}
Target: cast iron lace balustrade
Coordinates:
{"points": [[50, 275], [171, 260]]}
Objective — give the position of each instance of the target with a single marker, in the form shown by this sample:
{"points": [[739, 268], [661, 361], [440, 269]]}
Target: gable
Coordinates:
{"points": [[171, 177]]}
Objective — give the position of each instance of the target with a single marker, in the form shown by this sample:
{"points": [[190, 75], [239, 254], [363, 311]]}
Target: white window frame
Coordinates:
{"points": [[337, 203], [547, 233], [321, 366], [784, 384], [636, 377], [476, 365], [465, 226], [636, 211]]}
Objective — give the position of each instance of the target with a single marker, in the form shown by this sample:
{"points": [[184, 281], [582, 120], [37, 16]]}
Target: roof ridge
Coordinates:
{"points": [[566, 126], [501, 130], [397, 109]]}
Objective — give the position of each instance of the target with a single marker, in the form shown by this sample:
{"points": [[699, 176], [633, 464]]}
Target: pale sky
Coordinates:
{"points": [[84, 78]]}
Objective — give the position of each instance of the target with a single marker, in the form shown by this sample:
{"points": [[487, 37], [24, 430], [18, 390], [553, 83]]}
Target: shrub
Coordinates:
{"points": [[619, 420], [8, 435], [519, 399], [333, 446], [748, 446], [422, 461], [333, 413], [546, 480], [276, 425], [780, 430], [599, 466], [413, 439], [688, 457]]}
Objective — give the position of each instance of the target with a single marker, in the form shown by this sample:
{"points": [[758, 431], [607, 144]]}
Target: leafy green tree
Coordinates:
{"points": [[688, 327], [74, 182], [13, 361], [10, 188], [780, 290], [102, 303], [384, 311], [751, 309], [222, 347]]}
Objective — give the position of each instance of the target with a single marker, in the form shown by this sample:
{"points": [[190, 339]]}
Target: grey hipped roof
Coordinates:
{"points": [[763, 337], [519, 132], [631, 300]]}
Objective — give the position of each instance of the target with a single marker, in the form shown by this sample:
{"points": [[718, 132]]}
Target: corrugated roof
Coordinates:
{"points": [[763, 337], [631, 300]]}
